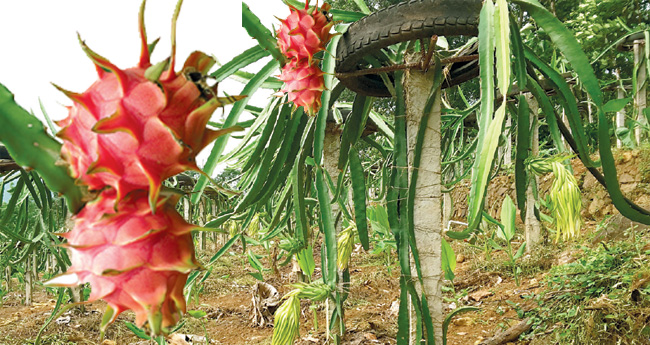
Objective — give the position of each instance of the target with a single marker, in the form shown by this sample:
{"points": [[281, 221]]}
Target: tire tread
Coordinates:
{"points": [[404, 21]]}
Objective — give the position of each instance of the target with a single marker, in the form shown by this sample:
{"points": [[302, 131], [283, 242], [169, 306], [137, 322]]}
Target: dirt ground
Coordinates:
{"points": [[370, 310]]}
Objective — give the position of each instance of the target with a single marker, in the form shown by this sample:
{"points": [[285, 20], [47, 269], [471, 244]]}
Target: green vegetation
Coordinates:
{"points": [[601, 297]]}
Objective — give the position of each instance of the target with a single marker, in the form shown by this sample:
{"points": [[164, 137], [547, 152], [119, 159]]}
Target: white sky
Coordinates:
{"points": [[38, 42]]}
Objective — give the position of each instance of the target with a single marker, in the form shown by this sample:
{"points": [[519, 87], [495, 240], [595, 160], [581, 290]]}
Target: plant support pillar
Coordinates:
{"points": [[427, 210], [620, 115], [641, 98], [533, 227], [331, 150], [507, 150]]}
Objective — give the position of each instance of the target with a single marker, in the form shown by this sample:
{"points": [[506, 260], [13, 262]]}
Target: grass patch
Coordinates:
{"points": [[540, 260], [601, 298]]}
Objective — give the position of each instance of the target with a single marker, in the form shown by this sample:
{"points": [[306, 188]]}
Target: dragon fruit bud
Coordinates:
{"points": [[305, 32], [304, 83], [132, 257]]}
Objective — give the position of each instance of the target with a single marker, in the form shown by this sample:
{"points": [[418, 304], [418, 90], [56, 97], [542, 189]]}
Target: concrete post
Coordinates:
{"points": [[331, 150], [620, 116], [427, 211], [8, 274], [186, 209], [203, 238], [590, 113], [507, 159], [565, 120], [533, 227], [29, 281], [447, 208], [641, 98]]}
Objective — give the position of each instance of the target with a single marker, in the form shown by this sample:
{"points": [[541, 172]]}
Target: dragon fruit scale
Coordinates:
{"points": [[305, 32], [304, 83], [131, 130]]}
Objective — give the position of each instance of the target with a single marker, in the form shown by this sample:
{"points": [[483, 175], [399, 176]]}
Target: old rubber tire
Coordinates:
{"points": [[405, 21]]}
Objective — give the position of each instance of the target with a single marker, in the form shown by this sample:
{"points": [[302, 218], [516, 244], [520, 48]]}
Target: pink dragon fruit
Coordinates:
{"points": [[304, 83], [128, 132], [305, 32], [132, 257]]}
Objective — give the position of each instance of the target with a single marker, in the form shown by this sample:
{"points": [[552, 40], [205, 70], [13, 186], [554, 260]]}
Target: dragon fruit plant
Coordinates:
{"points": [[124, 136], [303, 34]]}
